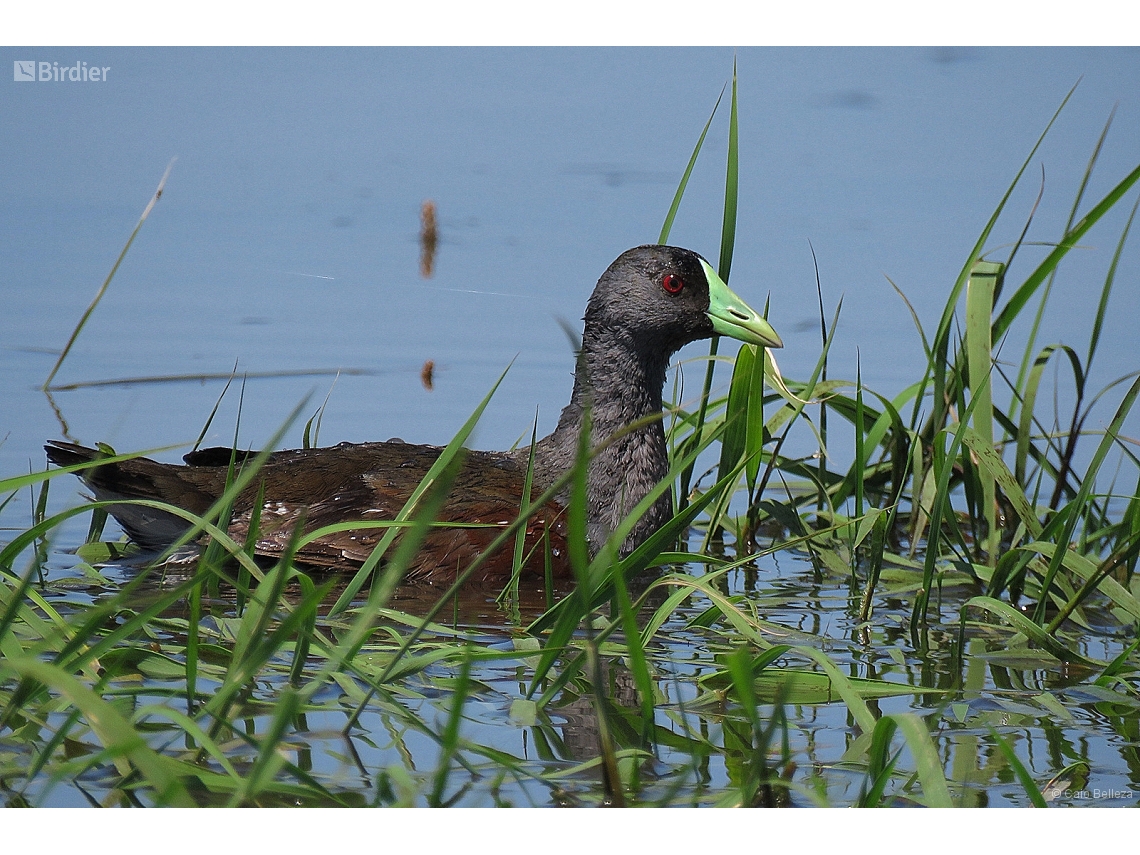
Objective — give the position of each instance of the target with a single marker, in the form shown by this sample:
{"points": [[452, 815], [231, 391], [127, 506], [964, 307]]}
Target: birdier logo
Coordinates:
{"points": [[29, 71]]}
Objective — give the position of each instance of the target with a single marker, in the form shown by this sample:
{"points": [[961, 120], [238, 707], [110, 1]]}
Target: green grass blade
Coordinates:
{"points": [[984, 281], [860, 463], [731, 187], [214, 411], [1035, 327], [927, 762], [727, 241], [941, 341], [991, 462], [850, 695], [565, 617], [444, 460], [1110, 278], [1094, 576], [450, 736], [941, 510], [125, 745], [106, 282], [881, 763], [754, 425], [511, 591], [736, 415], [1011, 310], [635, 651], [1027, 412], [667, 226], [1027, 627], [1110, 438], [1024, 778]]}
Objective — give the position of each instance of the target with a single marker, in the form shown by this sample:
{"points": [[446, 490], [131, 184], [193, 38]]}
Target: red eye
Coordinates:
{"points": [[672, 283]]}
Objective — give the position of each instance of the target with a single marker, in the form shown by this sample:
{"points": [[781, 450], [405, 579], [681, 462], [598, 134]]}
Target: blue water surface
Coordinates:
{"points": [[287, 235]]}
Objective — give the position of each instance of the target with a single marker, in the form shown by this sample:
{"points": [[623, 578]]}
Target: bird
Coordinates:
{"points": [[651, 301]]}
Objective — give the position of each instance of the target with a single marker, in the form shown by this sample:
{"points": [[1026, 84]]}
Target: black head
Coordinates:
{"points": [[660, 298]]}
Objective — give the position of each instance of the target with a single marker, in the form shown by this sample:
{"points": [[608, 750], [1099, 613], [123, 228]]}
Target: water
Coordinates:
{"points": [[287, 238]]}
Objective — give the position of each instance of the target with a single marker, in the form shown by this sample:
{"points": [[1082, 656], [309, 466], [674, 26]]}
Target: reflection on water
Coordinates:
{"points": [[370, 745], [429, 236]]}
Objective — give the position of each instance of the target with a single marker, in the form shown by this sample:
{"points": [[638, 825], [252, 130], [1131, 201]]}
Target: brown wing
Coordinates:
{"points": [[373, 482], [315, 488]]}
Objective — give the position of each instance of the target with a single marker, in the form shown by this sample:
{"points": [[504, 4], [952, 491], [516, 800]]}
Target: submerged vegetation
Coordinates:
{"points": [[977, 559]]}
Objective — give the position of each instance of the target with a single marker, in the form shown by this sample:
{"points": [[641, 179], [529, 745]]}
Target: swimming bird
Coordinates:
{"points": [[649, 303]]}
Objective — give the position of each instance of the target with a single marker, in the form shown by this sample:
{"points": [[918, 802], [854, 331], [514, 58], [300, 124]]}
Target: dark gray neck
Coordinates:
{"points": [[621, 385]]}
